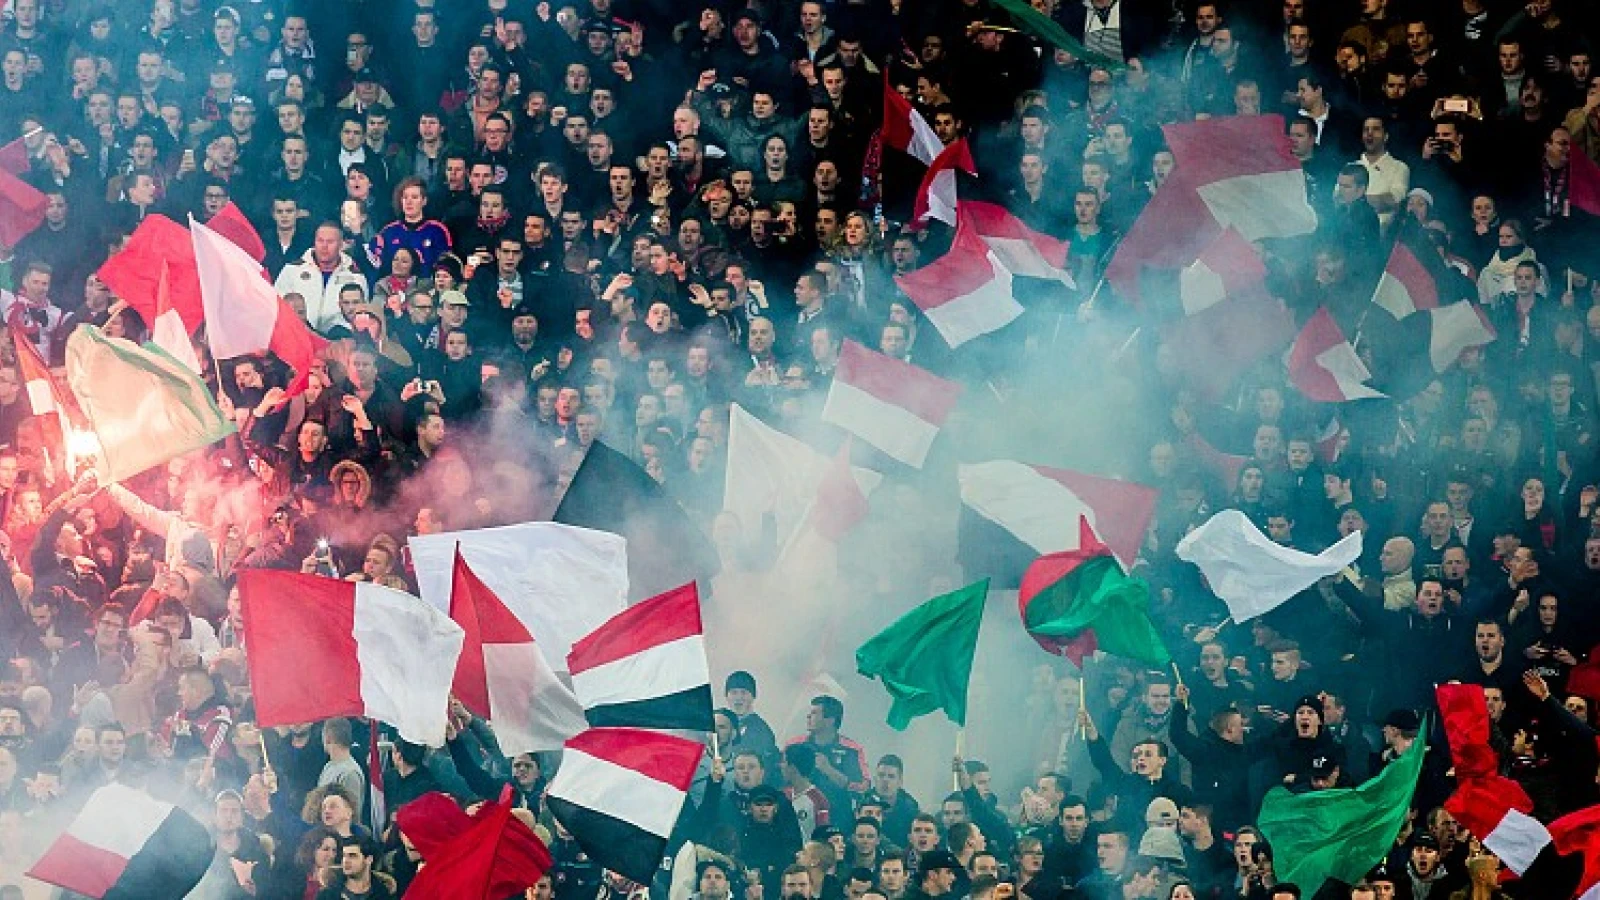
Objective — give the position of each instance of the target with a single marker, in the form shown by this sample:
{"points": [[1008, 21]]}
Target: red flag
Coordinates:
{"points": [[21, 204], [1584, 680], [231, 224], [1579, 833], [53, 406], [497, 856], [134, 274], [1050, 569], [1584, 188]]}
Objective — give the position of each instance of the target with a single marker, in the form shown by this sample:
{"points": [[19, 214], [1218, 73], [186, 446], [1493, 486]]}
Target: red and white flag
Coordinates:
{"points": [[1022, 250], [503, 677], [323, 647], [1406, 285], [646, 667], [965, 293], [936, 197], [618, 793], [841, 501], [1324, 366], [1229, 320], [126, 843], [134, 272], [167, 331], [905, 129], [892, 405], [1038, 508], [1454, 328], [1235, 171], [243, 312], [230, 222]]}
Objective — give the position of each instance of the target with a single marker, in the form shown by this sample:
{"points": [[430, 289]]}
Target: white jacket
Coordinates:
{"points": [[322, 298]]}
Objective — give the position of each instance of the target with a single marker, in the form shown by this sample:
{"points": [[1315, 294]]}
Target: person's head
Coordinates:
{"points": [[1509, 54], [1149, 759], [825, 717], [1489, 639], [356, 854]]}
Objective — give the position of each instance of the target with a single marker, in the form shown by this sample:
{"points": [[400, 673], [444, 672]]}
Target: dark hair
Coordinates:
{"points": [[363, 842], [803, 757], [832, 707]]}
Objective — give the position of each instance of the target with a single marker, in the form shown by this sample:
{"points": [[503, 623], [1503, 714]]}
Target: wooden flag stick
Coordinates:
{"points": [[261, 735], [716, 746], [1176, 673], [961, 741]]}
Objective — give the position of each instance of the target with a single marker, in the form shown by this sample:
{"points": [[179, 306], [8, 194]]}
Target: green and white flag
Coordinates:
{"points": [[144, 407]]}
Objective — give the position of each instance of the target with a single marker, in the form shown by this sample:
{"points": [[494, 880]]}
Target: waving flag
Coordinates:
{"points": [[1080, 600], [22, 205], [1494, 808], [1324, 366], [244, 314], [924, 659], [501, 675], [323, 647], [618, 793], [1252, 573], [126, 844], [1230, 321], [646, 667], [965, 293], [892, 405], [936, 197]]}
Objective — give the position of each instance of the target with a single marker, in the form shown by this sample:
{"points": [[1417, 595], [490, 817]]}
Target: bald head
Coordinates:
{"points": [[1397, 555]]}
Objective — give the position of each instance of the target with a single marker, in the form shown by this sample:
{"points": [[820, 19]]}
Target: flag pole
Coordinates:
{"points": [[955, 775], [716, 746], [261, 735], [1177, 674]]}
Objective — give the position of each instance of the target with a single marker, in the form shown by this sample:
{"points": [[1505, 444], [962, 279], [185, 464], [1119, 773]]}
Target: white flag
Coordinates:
{"points": [[1252, 573]]}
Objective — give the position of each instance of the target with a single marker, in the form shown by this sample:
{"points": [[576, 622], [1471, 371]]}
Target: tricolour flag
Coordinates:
{"points": [[892, 405], [1252, 573], [1235, 171], [1341, 833], [323, 647], [936, 196], [1230, 320], [126, 845], [559, 581], [1014, 513], [1324, 366], [1079, 600], [965, 293], [646, 668], [905, 130], [924, 659], [501, 675], [618, 793], [244, 314], [143, 406], [1406, 286], [1494, 808]]}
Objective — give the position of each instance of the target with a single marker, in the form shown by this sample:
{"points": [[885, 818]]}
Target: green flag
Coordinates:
{"points": [[1041, 26], [1064, 595], [1343, 832], [145, 408], [925, 658]]}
